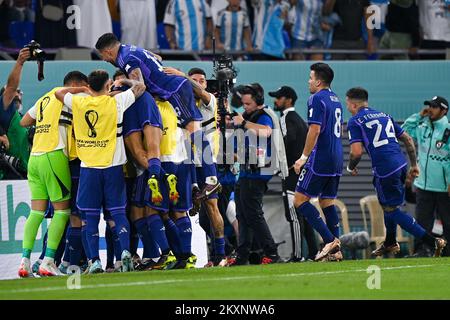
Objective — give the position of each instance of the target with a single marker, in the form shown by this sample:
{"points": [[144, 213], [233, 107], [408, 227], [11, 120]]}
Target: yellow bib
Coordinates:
{"points": [[46, 137], [95, 126], [169, 118]]}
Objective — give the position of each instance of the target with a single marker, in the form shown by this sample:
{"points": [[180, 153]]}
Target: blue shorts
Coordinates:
{"points": [[313, 185], [142, 112], [183, 103], [184, 188], [391, 189], [101, 187], [201, 182], [139, 190]]}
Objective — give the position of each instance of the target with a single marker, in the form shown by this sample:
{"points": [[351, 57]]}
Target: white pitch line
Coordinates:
{"points": [[159, 282]]}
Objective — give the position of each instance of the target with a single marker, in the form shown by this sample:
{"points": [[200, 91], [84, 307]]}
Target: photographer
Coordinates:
{"points": [[14, 160], [253, 179]]}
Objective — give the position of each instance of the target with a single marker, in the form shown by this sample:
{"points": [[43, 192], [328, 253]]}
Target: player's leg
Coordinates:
{"points": [[183, 103], [56, 174], [391, 195], [156, 225], [309, 185], [39, 202], [89, 203], [327, 203], [115, 202]]}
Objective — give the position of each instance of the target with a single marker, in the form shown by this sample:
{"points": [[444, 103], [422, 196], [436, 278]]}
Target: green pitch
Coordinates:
{"points": [[399, 279]]}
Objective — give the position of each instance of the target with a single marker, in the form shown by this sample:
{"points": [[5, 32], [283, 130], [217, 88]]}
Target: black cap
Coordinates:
{"points": [[286, 92], [438, 102]]}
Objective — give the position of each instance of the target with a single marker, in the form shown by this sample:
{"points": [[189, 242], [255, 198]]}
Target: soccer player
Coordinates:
{"points": [[379, 134], [320, 166], [233, 28], [207, 104], [144, 66], [99, 144], [49, 174], [142, 113]]}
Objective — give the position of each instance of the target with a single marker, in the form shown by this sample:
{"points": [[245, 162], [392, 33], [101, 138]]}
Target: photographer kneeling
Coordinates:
{"points": [[13, 158]]}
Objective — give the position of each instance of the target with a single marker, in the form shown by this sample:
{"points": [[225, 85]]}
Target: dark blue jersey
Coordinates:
{"points": [[325, 110], [157, 82], [378, 132]]}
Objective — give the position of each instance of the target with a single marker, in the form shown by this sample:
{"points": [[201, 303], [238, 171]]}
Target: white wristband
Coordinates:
{"points": [[303, 157], [348, 170]]}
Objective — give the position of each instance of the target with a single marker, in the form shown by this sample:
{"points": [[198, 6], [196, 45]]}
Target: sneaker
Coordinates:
{"points": [[95, 267], [35, 267], [171, 181], [49, 269], [192, 259], [331, 247], [334, 257], [164, 261], [440, 245], [210, 264], [127, 261], [231, 262], [196, 204], [25, 270], [86, 267], [180, 264], [63, 267], [382, 249], [145, 264], [117, 266], [110, 269], [208, 189], [153, 184], [271, 259]]}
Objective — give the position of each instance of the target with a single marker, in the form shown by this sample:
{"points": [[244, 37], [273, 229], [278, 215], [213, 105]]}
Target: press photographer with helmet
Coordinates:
{"points": [[13, 159]]}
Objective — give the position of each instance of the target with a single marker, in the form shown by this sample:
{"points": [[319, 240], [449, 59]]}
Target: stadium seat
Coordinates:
{"points": [[21, 32], [377, 229]]}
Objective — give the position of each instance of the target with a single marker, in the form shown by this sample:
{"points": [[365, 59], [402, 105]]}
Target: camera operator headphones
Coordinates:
{"points": [[256, 93]]}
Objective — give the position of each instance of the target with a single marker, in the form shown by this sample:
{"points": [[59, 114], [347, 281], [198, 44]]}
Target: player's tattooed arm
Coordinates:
{"points": [[355, 157], [138, 88], [411, 150]]}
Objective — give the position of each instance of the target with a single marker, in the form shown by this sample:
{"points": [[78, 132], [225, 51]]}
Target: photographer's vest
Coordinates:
{"points": [[95, 126], [48, 119], [209, 127], [250, 166]]}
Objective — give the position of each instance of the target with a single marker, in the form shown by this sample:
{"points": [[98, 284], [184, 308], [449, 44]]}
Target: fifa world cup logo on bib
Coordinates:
{"points": [[91, 117], [44, 103]]}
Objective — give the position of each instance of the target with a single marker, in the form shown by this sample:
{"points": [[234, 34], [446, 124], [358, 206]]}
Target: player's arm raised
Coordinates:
{"points": [[311, 141], [59, 94], [411, 150], [136, 86]]}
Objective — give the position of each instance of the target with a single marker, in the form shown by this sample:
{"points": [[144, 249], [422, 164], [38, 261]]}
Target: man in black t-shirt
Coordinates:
{"points": [[348, 35]]}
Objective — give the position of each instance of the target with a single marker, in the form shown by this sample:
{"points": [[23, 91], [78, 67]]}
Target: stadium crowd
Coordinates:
{"points": [[144, 148], [267, 27]]}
